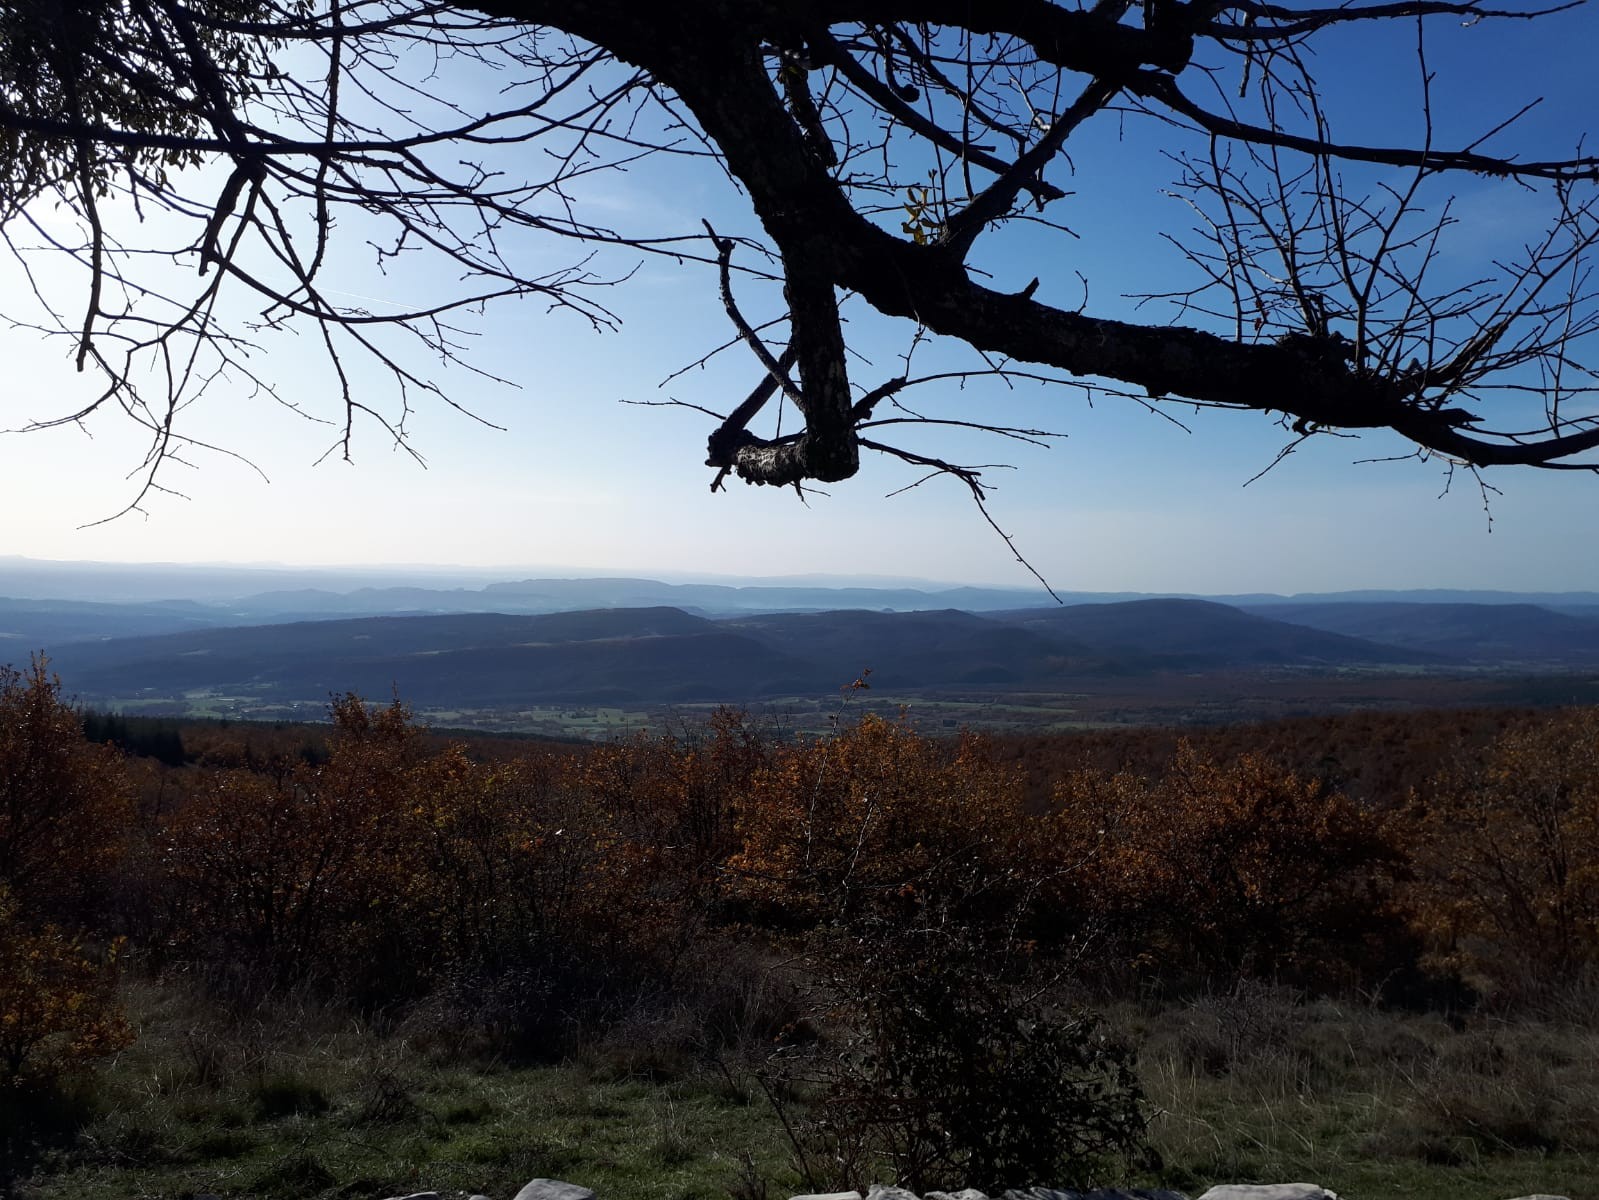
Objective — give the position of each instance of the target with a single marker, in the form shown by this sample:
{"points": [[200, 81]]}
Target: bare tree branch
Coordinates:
{"points": [[210, 168]]}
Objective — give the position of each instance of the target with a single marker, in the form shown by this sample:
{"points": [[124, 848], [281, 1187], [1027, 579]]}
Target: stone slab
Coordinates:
{"points": [[1268, 1191], [553, 1189]]}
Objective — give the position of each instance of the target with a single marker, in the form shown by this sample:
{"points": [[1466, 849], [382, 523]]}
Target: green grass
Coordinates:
{"points": [[293, 1102], [1260, 1088], [298, 1103]]}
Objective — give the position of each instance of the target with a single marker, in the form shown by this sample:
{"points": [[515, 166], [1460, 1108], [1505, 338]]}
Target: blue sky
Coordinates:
{"points": [[577, 480]]}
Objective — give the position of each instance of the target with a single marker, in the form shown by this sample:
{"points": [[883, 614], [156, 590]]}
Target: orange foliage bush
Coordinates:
{"points": [[1224, 867], [877, 820], [919, 885], [671, 805], [297, 866], [384, 862], [65, 805], [397, 862], [1507, 849], [57, 1004]]}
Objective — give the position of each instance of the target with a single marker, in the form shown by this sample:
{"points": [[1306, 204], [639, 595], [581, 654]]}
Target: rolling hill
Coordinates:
{"points": [[486, 659], [1478, 633], [664, 655], [35, 623], [1201, 634]]}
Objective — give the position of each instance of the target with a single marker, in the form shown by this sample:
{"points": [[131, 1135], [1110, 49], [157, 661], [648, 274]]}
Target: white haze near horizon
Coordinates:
{"points": [[1126, 502]]}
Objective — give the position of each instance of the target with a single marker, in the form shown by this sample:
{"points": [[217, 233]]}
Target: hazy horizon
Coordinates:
{"points": [[28, 576]]}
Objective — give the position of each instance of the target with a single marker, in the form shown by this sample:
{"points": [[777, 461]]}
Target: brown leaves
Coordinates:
{"points": [[57, 1002], [874, 817], [65, 804], [1507, 851], [388, 862], [1236, 865]]}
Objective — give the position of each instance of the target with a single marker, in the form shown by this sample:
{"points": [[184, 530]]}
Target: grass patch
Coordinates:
{"points": [[297, 1174], [1255, 1086], [288, 1096], [223, 1144], [469, 1112], [1261, 1086], [311, 1105]]}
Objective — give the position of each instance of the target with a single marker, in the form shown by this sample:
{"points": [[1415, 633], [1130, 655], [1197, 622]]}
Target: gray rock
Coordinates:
{"points": [[828, 1196], [553, 1189], [963, 1194], [879, 1191], [1039, 1193], [1268, 1191], [419, 1196]]}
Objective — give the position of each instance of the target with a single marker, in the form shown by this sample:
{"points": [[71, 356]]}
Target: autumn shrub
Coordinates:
{"points": [[529, 898], [58, 1008], [276, 870], [1229, 869], [65, 804], [665, 812], [949, 1051], [592, 884], [680, 790], [58, 1015], [879, 820], [910, 877], [1507, 850], [372, 871], [959, 1071]]}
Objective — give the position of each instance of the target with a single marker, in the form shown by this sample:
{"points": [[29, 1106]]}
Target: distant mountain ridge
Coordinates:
{"points": [[639, 639], [557, 595], [283, 589], [1479, 633], [665, 655], [1182, 633]]}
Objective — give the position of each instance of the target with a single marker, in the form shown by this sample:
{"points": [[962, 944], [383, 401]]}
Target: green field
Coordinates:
{"points": [[1202, 699]]}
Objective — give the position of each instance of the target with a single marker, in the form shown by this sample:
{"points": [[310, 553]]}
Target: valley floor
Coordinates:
{"points": [[1092, 702]]}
